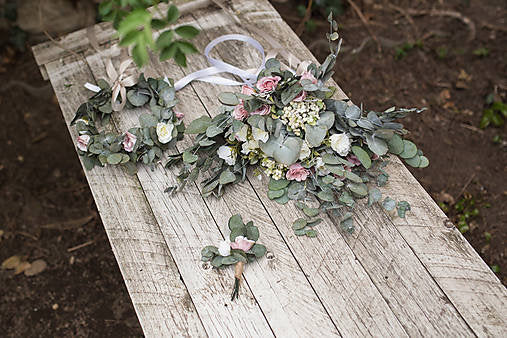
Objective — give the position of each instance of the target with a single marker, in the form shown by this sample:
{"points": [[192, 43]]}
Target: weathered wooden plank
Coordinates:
{"points": [[187, 226], [461, 273], [422, 312], [160, 298]]}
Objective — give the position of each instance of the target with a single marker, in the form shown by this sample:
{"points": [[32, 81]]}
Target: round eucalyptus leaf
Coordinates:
{"points": [[258, 250], [424, 162], [299, 224], [137, 99], [282, 200], [213, 131], [410, 149], [311, 212], [114, 158], [353, 112], [414, 161], [314, 135], [229, 99], [272, 194], [358, 188], [377, 145], [277, 184], [226, 177], [326, 119], [396, 145], [236, 222]]}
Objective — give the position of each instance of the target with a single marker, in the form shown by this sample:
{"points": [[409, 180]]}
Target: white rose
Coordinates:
{"points": [[260, 135], [165, 132], [224, 248], [340, 143], [305, 151], [320, 166], [228, 154], [247, 147]]}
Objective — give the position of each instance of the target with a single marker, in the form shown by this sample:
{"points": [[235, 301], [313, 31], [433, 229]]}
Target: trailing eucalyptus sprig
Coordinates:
{"points": [[136, 25]]}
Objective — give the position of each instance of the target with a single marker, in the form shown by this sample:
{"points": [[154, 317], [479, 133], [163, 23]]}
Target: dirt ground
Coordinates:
{"points": [[47, 211]]}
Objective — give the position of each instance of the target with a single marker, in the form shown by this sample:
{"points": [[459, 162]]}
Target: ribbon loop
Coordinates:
{"points": [[219, 66]]}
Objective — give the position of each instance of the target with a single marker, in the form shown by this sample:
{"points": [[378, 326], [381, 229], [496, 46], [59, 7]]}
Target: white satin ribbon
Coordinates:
{"points": [[219, 66]]}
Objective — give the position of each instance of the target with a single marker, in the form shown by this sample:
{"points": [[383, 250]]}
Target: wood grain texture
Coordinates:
{"points": [[159, 296], [392, 277]]}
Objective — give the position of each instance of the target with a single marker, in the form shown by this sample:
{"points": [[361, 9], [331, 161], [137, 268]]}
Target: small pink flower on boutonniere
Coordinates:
{"points": [[301, 96], [240, 113], [179, 115], [242, 243], [264, 110], [82, 142], [306, 75], [129, 141], [297, 172], [268, 83], [247, 90]]}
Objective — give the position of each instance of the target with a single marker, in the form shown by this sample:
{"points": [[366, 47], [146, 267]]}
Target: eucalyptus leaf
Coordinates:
{"points": [[277, 184], [389, 204], [299, 224], [377, 145], [273, 194], [228, 98], [396, 145], [114, 158], [311, 212], [409, 150], [362, 156], [235, 222], [374, 195], [227, 177], [199, 125]]}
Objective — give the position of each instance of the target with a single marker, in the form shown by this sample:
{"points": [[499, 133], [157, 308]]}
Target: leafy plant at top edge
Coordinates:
{"points": [[136, 27]]}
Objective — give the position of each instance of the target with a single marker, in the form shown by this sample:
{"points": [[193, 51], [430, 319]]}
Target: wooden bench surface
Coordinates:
{"points": [[392, 277]]}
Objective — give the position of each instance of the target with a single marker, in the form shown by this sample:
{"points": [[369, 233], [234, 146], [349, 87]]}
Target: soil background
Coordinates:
{"points": [[47, 211]]}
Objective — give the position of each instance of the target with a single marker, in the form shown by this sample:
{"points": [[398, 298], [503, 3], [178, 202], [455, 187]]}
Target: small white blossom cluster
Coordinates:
{"points": [[273, 169], [297, 114]]}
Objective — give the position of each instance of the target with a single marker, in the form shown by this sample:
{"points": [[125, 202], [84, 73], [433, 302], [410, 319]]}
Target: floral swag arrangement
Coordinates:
{"points": [[145, 143], [288, 127]]}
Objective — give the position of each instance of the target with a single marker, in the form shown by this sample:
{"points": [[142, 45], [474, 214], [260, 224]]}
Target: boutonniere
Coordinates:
{"points": [[241, 248]]}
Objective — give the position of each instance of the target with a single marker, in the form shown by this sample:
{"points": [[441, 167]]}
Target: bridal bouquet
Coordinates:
{"points": [[313, 147]]}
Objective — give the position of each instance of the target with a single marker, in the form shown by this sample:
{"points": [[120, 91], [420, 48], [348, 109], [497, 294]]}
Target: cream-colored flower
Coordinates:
{"points": [[165, 132], [305, 151], [260, 135], [320, 167], [242, 133], [228, 154], [248, 146], [340, 143], [224, 248]]}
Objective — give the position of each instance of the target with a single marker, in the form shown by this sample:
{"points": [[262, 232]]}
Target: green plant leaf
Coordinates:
{"points": [[114, 158], [235, 222], [137, 18], [258, 250], [158, 23], [299, 224], [277, 184], [130, 38], [362, 156], [228, 98], [165, 39], [140, 54], [252, 233], [311, 212], [409, 150], [424, 162], [273, 194], [226, 177], [199, 125], [396, 145], [180, 58], [186, 47], [187, 32], [168, 52], [172, 14]]}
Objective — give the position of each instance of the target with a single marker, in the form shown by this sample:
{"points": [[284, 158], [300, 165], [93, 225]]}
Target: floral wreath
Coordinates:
{"points": [[157, 131], [311, 146]]}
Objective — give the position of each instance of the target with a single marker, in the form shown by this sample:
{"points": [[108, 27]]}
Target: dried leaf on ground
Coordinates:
{"points": [[36, 267], [11, 262], [22, 266]]}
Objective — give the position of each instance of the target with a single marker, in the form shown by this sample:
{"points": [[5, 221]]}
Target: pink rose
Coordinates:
{"points": [[240, 112], [267, 83], [179, 115], [247, 90], [242, 243], [297, 172], [308, 76], [301, 96], [82, 142], [264, 110], [354, 160], [129, 141]]}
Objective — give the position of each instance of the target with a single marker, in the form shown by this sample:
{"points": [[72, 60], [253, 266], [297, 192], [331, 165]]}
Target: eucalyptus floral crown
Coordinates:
{"points": [[313, 147]]}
